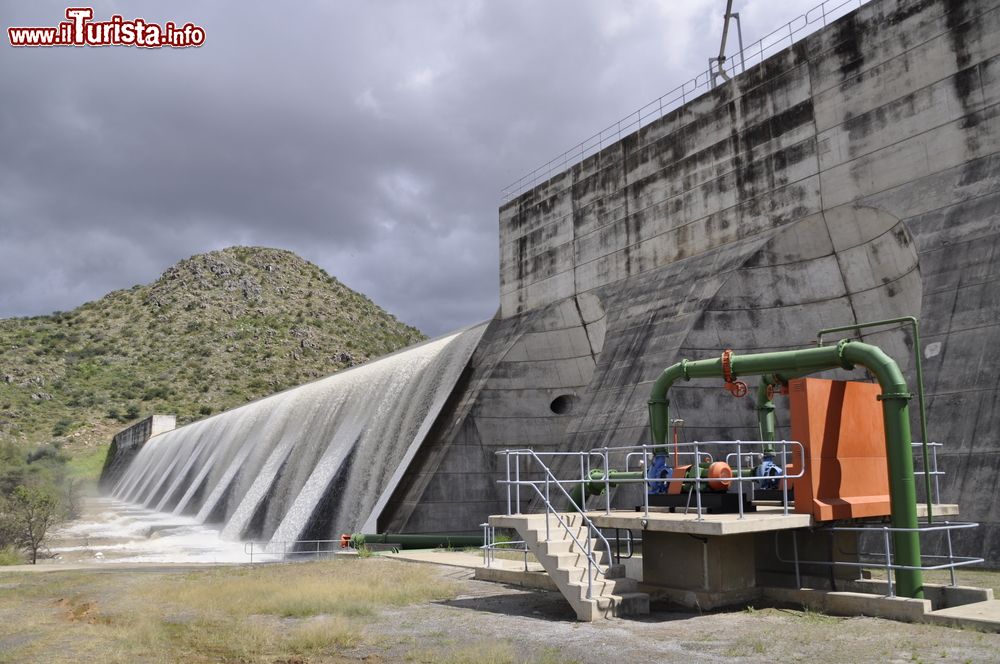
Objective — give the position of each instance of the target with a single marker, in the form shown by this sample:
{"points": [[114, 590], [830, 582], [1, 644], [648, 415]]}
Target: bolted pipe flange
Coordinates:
{"points": [[841, 347]]}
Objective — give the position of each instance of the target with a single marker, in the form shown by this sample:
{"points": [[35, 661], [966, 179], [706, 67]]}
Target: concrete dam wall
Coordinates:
{"points": [[848, 178], [127, 443]]}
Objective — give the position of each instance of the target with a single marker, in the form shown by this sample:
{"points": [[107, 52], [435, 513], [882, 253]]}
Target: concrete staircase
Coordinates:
{"points": [[613, 594]]}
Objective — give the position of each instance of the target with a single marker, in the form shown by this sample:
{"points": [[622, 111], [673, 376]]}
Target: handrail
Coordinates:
{"points": [[946, 526], [740, 479], [611, 479], [933, 471], [549, 509], [782, 36], [249, 547], [490, 546]]}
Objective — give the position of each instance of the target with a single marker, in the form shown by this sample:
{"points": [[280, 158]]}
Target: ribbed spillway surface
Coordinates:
{"points": [[309, 462]]}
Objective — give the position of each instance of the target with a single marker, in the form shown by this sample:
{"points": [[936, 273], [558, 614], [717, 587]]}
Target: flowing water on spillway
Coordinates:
{"points": [[307, 463]]}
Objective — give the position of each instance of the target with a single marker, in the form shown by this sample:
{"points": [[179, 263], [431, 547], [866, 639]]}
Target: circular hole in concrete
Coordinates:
{"points": [[562, 404]]}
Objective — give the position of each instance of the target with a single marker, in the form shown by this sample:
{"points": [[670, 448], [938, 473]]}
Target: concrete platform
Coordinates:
{"points": [[940, 509], [501, 570], [465, 559], [767, 518], [981, 615]]}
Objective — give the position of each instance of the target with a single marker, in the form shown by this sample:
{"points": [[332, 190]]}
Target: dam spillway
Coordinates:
{"points": [[850, 177], [309, 462]]}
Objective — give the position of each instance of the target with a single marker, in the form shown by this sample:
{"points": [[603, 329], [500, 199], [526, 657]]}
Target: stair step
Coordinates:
{"points": [[578, 572], [613, 606], [559, 535], [577, 558], [605, 587], [563, 554], [568, 545]]}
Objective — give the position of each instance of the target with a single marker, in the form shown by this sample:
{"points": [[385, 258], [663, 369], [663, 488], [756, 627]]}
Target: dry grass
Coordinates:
{"points": [[303, 612], [345, 588]]}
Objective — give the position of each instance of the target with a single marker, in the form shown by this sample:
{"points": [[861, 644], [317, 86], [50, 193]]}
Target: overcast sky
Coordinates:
{"points": [[372, 138]]}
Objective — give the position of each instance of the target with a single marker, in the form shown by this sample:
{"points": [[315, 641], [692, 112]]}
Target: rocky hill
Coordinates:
{"points": [[214, 331]]}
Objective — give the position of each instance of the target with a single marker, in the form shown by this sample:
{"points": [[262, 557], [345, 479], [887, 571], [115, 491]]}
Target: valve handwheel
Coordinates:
{"points": [[735, 387]]}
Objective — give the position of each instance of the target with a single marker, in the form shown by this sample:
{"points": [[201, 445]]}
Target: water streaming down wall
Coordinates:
{"points": [[316, 460]]}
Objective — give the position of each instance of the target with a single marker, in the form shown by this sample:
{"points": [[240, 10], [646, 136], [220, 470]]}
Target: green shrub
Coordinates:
{"points": [[62, 426], [9, 555]]}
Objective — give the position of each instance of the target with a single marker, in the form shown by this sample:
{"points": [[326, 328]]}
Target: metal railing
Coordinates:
{"points": [[784, 451], [884, 559], [935, 472], [491, 546], [291, 547], [593, 567], [755, 53]]}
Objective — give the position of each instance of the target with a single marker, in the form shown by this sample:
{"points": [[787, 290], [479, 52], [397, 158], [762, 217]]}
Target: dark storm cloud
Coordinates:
{"points": [[372, 138]]}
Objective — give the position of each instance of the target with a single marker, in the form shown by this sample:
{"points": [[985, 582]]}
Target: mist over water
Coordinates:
{"points": [[112, 531], [309, 462]]}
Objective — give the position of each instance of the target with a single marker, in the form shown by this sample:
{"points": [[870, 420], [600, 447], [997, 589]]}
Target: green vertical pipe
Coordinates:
{"points": [[902, 487], [766, 421], [912, 321], [895, 412]]}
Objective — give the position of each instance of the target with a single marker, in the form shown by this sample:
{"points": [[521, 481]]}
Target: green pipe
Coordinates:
{"points": [[805, 361], [766, 421], [597, 485], [428, 541], [902, 487], [912, 321], [895, 412]]}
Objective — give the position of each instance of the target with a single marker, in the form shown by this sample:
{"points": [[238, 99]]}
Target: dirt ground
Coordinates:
{"points": [[89, 615], [539, 624]]}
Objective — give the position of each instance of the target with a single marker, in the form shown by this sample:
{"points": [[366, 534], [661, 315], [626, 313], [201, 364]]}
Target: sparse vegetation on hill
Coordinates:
{"points": [[214, 331]]}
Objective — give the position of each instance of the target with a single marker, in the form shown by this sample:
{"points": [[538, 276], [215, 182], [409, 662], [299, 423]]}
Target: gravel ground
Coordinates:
{"points": [[526, 625]]}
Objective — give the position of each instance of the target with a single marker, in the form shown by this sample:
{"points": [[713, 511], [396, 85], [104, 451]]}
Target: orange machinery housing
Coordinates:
{"points": [[840, 426]]}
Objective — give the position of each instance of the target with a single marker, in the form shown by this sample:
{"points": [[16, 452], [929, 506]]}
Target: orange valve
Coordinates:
{"points": [[735, 387], [782, 389], [345, 541], [719, 474]]}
